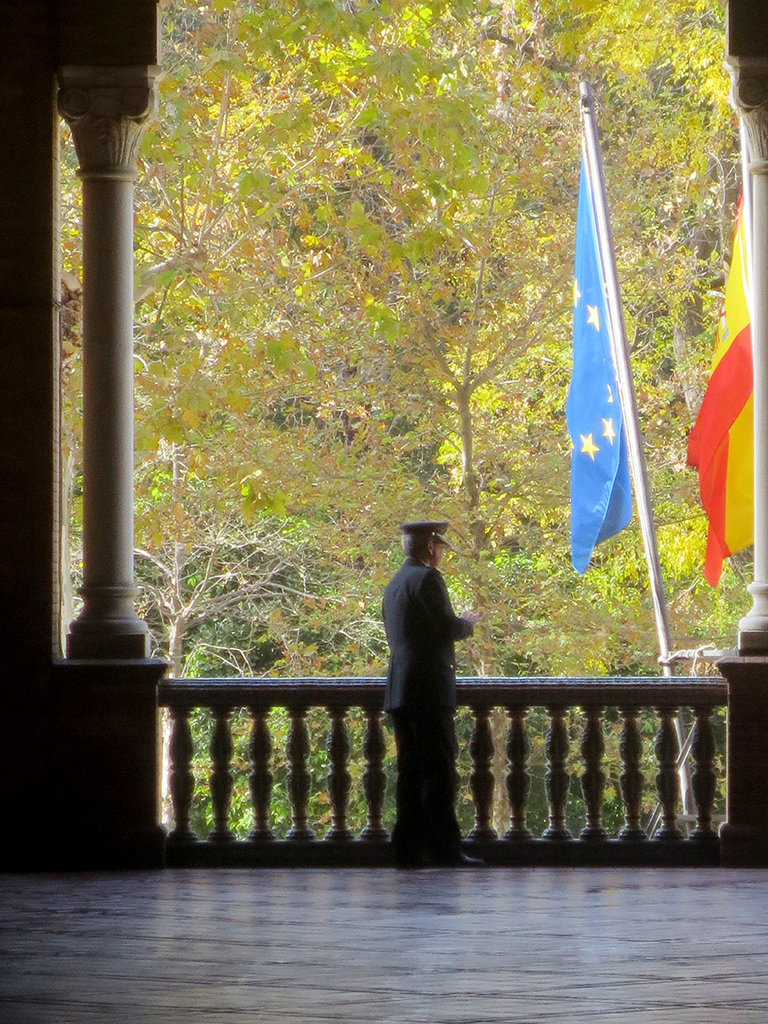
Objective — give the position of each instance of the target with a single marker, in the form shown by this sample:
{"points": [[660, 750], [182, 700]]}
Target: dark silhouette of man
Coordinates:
{"points": [[420, 696]]}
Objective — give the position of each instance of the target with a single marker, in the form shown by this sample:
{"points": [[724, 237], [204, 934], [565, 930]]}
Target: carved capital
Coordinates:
{"points": [[106, 109], [749, 95]]}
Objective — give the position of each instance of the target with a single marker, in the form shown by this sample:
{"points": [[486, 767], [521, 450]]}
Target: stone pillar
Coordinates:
{"points": [[106, 108]]}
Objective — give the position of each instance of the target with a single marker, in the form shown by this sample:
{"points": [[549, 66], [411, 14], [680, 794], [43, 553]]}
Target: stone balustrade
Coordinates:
{"points": [[588, 700]]}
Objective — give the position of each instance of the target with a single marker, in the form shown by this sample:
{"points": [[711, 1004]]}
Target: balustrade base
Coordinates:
{"points": [[633, 835], [225, 836], [596, 834], [557, 835], [668, 835], [302, 835], [359, 853], [339, 836], [374, 835]]}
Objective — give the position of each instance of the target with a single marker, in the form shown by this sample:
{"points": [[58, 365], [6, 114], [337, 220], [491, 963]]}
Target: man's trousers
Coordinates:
{"points": [[426, 824]]}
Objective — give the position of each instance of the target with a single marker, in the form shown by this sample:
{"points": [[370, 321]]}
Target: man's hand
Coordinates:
{"points": [[473, 617]]}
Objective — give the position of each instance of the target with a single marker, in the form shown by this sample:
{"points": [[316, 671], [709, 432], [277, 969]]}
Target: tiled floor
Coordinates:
{"points": [[562, 946]]}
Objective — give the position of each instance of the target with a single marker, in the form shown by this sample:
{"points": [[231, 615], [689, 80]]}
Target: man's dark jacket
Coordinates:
{"points": [[421, 628]]}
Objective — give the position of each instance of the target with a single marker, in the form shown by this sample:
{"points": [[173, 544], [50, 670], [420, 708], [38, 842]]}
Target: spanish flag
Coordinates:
{"points": [[721, 441]]}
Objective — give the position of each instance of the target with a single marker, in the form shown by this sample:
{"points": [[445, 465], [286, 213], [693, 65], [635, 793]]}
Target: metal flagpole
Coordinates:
{"points": [[627, 397], [624, 374]]}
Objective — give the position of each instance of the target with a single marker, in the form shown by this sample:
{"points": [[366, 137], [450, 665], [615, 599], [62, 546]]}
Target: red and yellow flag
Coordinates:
{"points": [[721, 441]]}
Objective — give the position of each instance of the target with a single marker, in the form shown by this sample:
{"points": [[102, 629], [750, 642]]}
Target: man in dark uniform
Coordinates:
{"points": [[421, 629]]}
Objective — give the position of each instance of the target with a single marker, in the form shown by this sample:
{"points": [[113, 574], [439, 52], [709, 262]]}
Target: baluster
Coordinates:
{"points": [[667, 779], [182, 781], [631, 752], [556, 779], [338, 748], [518, 780], [703, 780], [481, 780], [298, 776], [374, 779], [260, 778], [593, 779], [221, 776]]}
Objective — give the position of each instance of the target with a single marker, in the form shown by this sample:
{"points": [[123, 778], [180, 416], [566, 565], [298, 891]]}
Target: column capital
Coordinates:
{"points": [[749, 96], [106, 108]]}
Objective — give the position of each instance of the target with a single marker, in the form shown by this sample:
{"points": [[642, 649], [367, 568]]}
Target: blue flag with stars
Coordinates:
{"points": [[601, 500]]}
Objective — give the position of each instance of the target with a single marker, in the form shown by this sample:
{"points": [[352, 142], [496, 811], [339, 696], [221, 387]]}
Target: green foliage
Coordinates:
{"points": [[354, 249]]}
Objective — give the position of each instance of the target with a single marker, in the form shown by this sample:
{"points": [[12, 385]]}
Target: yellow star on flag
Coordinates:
{"points": [[594, 316], [608, 430], [589, 446]]}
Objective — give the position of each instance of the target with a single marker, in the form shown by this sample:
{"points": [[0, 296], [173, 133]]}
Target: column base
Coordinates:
{"points": [[108, 627], [104, 645], [752, 642], [753, 628]]}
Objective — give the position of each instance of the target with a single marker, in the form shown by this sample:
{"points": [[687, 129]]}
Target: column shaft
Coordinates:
{"points": [[753, 628], [106, 108], [759, 318], [108, 383]]}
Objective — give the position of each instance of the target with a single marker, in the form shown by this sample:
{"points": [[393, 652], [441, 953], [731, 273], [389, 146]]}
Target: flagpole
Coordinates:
{"points": [[624, 376]]}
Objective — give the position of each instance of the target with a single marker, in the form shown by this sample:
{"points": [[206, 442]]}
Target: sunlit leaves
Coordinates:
{"points": [[354, 249]]}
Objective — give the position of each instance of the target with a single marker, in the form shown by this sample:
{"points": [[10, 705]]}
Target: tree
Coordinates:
{"points": [[355, 230]]}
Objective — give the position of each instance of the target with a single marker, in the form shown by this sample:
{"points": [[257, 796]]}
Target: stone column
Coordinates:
{"points": [[106, 108]]}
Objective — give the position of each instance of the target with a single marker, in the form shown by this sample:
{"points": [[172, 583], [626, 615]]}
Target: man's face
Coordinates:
{"points": [[436, 552]]}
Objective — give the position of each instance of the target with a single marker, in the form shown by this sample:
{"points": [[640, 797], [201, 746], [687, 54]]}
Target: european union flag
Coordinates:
{"points": [[601, 500]]}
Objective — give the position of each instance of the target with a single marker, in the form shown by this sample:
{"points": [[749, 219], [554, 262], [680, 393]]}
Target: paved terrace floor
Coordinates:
{"points": [[561, 946]]}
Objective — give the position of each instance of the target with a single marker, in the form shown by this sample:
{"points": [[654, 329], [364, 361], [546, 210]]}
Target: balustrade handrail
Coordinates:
{"points": [[472, 691]]}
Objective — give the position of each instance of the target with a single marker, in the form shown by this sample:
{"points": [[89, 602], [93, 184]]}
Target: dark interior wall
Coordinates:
{"points": [[108, 34], [28, 390], [748, 28], [39, 36], [28, 269]]}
